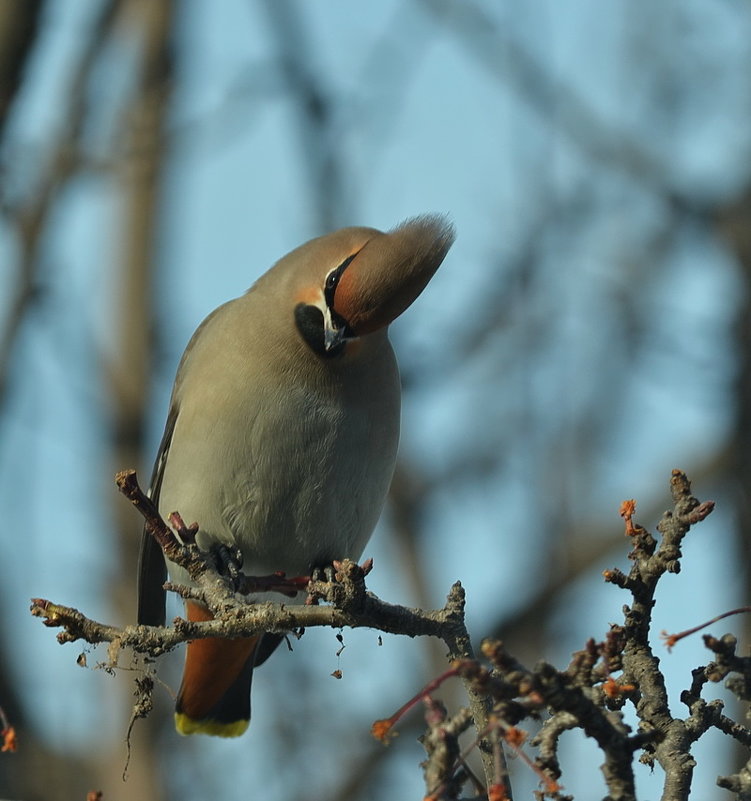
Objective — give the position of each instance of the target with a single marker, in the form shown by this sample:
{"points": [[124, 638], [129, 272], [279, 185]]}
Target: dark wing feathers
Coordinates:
{"points": [[152, 570]]}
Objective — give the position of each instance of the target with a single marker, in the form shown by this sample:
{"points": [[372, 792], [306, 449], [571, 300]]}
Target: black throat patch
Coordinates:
{"points": [[309, 322]]}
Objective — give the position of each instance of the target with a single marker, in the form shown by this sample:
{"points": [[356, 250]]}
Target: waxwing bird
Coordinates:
{"points": [[282, 433]]}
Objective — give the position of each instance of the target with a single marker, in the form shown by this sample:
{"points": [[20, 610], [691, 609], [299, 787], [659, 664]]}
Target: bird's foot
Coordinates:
{"points": [[326, 573], [229, 562], [324, 576]]}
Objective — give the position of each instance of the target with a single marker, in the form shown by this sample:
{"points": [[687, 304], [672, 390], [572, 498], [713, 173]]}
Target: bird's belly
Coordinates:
{"points": [[303, 484]]}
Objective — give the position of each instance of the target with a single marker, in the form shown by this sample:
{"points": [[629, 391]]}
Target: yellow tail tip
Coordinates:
{"points": [[186, 725]]}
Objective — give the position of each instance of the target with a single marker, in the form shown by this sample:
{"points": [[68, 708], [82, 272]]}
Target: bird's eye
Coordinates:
{"points": [[332, 279]]}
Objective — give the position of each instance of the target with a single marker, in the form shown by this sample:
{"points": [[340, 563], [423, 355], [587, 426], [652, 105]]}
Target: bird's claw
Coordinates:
{"points": [[229, 561], [326, 573]]}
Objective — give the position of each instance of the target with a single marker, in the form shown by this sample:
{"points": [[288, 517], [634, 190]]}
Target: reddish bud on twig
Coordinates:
{"points": [[613, 689], [627, 510], [7, 734], [186, 533], [381, 729], [671, 639]]}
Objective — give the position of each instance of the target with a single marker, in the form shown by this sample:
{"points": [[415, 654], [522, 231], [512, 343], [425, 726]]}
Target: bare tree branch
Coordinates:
{"points": [[19, 25], [29, 217]]}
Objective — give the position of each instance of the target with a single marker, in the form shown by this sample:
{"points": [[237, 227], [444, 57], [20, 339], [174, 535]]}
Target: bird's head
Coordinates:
{"points": [[358, 280]]}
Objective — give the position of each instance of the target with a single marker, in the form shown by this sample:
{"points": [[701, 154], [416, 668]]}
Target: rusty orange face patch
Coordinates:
{"points": [[310, 296]]}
